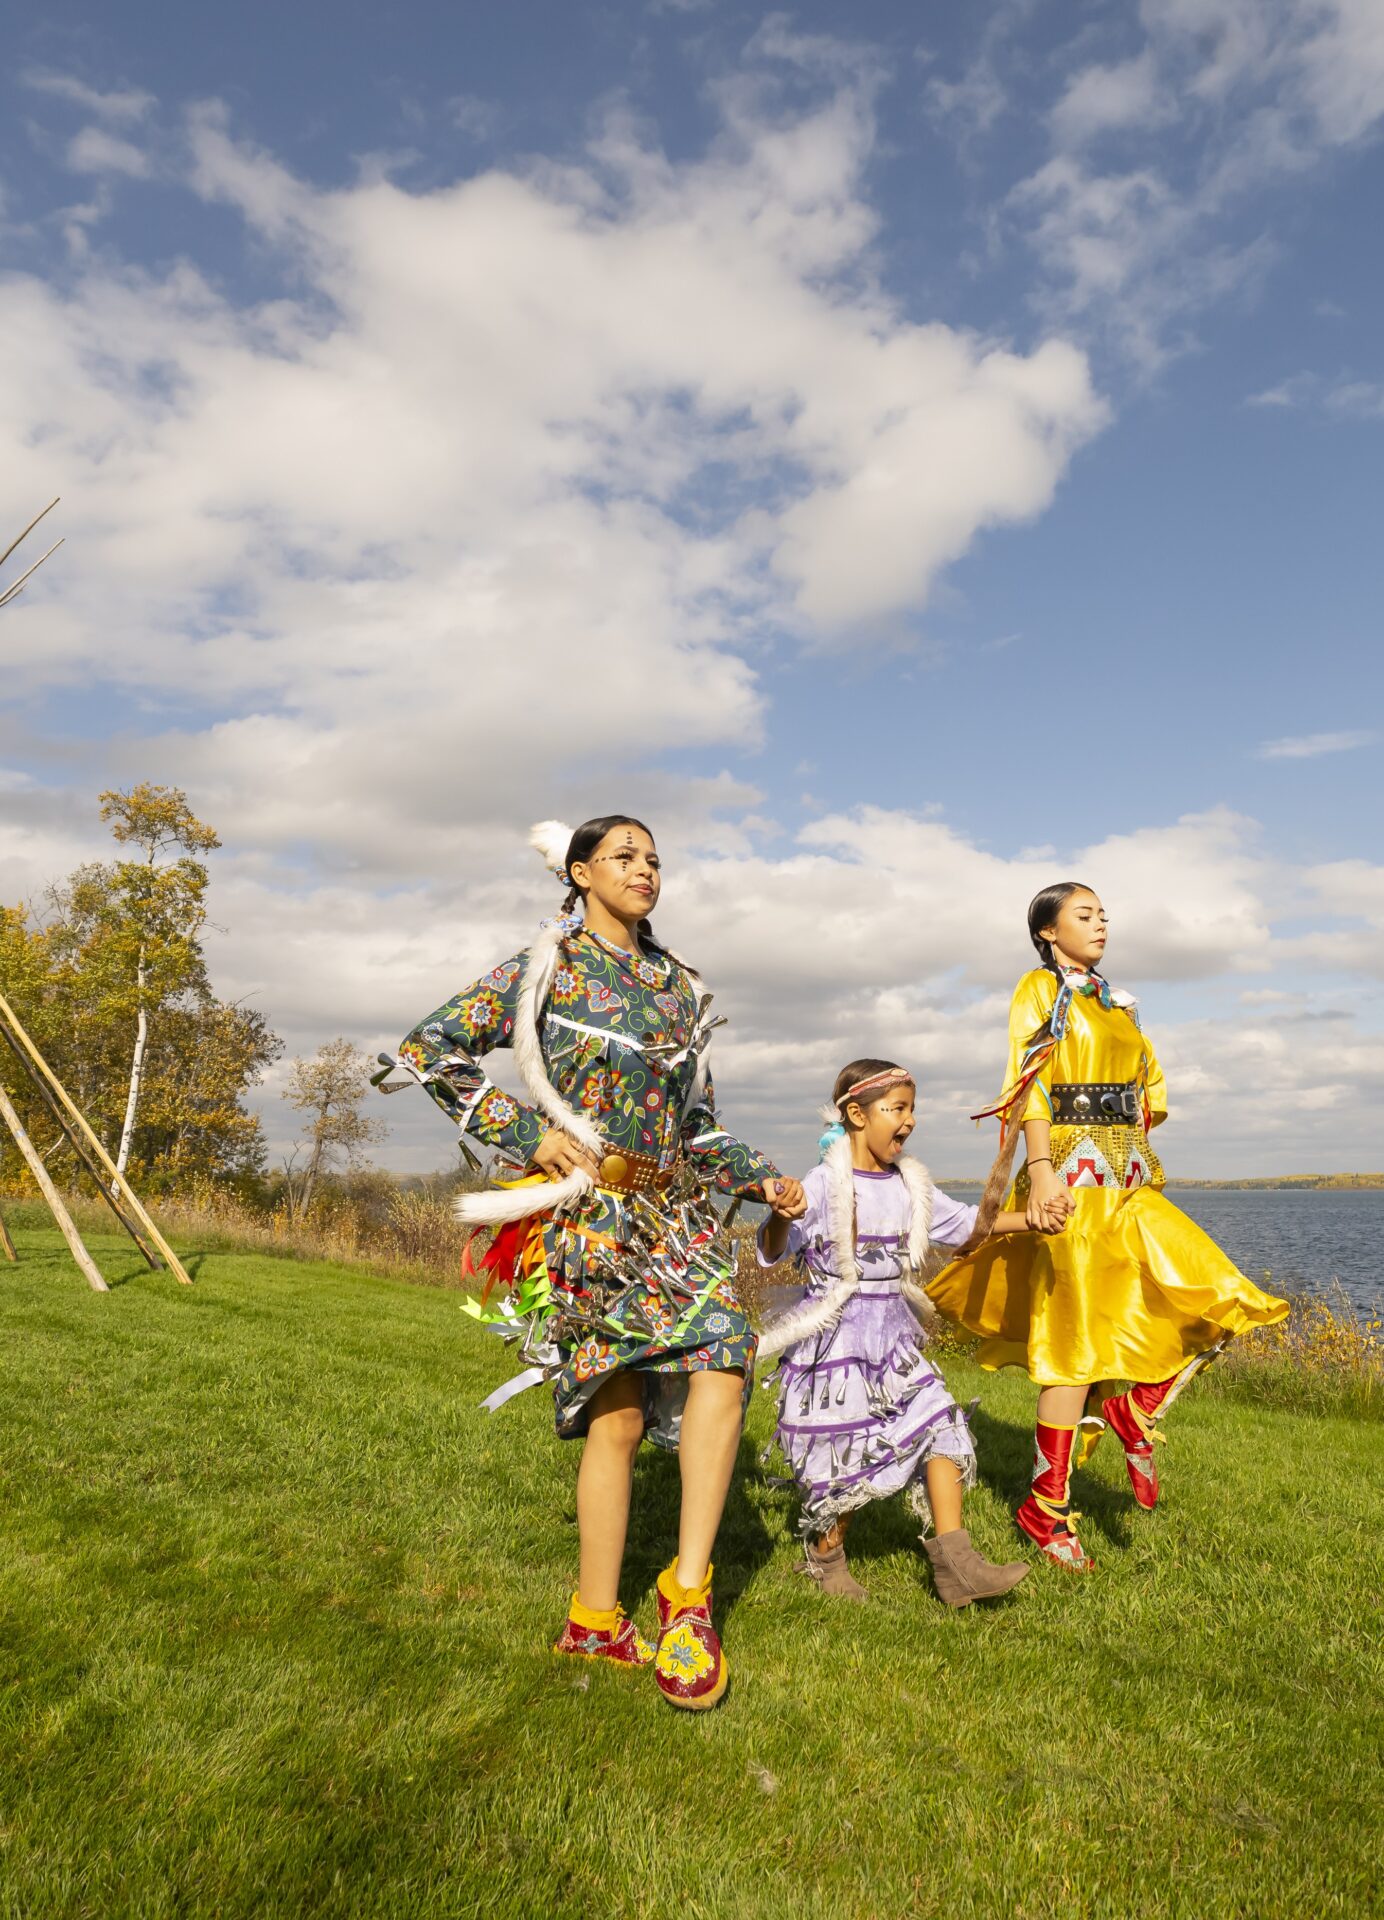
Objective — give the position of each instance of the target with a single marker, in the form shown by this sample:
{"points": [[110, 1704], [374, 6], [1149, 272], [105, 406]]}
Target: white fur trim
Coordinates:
{"points": [[818, 1316], [551, 838], [919, 1183], [499, 1205], [813, 1316], [539, 965], [840, 1172]]}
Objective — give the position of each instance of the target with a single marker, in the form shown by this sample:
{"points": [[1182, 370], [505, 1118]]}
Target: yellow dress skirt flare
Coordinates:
{"points": [[1132, 1289]]}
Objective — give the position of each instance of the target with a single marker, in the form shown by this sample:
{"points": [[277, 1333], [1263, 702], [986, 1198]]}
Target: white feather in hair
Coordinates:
{"points": [[551, 838]]}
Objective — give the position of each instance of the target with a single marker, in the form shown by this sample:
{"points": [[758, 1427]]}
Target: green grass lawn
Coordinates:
{"points": [[275, 1603]]}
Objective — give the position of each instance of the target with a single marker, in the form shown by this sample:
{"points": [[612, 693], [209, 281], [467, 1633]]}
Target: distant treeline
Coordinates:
{"points": [[1271, 1183], [1277, 1180]]}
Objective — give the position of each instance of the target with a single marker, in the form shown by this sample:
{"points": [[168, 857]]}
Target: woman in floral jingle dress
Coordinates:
{"points": [[605, 1209]]}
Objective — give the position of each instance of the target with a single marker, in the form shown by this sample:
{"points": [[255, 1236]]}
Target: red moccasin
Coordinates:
{"points": [[689, 1666], [620, 1643]]}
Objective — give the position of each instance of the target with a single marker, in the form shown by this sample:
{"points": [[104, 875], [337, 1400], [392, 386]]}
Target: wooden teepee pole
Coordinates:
{"points": [[74, 1113], [79, 1147], [34, 1161], [6, 1244]]}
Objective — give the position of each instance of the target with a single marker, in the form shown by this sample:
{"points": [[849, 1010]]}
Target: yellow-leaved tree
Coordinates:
{"points": [[153, 909], [109, 977]]}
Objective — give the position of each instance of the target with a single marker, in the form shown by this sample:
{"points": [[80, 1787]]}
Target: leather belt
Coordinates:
{"points": [[1100, 1103], [634, 1173]]}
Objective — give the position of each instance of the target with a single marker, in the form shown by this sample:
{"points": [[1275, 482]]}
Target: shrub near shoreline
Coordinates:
{"points": [[1325, 1358]]}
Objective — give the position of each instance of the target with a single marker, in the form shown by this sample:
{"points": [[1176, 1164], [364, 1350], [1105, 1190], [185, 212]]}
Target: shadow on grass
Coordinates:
{"points": [[119, 1265], [1004, 1459], [743, 1545]]}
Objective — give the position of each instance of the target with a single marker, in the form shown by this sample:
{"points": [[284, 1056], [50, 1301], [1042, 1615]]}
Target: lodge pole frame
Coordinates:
{"points": [[34, 1161], [80, 1149], [119, 1186]]}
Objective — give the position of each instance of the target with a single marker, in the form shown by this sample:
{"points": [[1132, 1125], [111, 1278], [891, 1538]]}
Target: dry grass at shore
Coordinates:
{"points": [[1323, 1358], [408, 1233]]}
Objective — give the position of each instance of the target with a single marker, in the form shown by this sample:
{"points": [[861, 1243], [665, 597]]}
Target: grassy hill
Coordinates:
{"points": [[275, 1601]]}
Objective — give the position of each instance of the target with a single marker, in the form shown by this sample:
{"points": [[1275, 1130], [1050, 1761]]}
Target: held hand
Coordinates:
{"points": [[1045, 1194], [786, 1198], [1058, 1211], [558, 1154]]}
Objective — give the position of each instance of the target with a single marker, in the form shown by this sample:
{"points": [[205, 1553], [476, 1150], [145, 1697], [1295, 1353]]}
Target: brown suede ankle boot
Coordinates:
{"points": [[962, 1575], [832, 1574]]}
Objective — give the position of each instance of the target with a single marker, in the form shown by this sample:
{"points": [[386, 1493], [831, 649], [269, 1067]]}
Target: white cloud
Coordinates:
{"points": [[494, 443], [1242, 94], [1310, 746], [1359, 399], [881, 931], [1342, 65], [95, 151], [123, 104], [974, 103], [486, 505], [473, 116], [1346, 397], [876, 930], [1295, 391], [1110, 99]]}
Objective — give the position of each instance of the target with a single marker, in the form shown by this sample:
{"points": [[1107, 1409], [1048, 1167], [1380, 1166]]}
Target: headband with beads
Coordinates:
{"points": [[889, 1077]]}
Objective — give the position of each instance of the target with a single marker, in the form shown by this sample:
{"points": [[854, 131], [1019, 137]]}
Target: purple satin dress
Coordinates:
{"points": [[861, 1411]]}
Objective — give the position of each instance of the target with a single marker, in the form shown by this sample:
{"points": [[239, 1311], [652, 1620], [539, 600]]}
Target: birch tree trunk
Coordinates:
{"points": [[310, 1180], [127, 1132]]}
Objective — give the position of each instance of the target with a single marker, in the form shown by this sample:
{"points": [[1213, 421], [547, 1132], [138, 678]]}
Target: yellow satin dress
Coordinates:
{"points": [[1131, 1289]]}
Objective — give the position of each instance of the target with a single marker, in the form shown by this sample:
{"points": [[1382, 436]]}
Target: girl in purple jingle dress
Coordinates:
{"points": [[862, 1414]]}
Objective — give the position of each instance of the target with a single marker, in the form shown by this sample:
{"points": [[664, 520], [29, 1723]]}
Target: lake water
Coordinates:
{"points": [[1304, 1240]]}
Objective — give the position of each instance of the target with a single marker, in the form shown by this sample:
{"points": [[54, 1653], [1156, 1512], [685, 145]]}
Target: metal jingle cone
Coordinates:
{"points": [[628, 1311]]}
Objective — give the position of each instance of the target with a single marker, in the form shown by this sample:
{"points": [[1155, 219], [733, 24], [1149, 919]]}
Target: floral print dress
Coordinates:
{"points": [[618, 1033]]}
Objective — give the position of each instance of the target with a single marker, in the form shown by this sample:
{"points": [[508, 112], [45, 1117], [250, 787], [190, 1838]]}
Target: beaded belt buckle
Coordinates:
{"points": [[1097, 1103], [634, 1173]]}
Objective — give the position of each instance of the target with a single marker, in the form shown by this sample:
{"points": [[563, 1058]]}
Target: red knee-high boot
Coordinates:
{"points": [[1133, 1418], [1046, 1516]]}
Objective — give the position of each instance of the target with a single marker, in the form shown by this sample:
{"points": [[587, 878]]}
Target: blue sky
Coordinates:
{"points": [[903, 465]]}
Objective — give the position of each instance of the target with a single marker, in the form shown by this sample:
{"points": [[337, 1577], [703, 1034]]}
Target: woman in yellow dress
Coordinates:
{"points": [[1131, 1289]]}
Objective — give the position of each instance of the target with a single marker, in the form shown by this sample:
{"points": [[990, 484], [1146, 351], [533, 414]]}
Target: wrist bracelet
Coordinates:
{"points": [[1041, 1161]]}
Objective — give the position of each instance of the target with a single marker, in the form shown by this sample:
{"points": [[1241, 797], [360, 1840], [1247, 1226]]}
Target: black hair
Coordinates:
{"points": [[584, 843], [1043, 910], [857, 1071]]}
